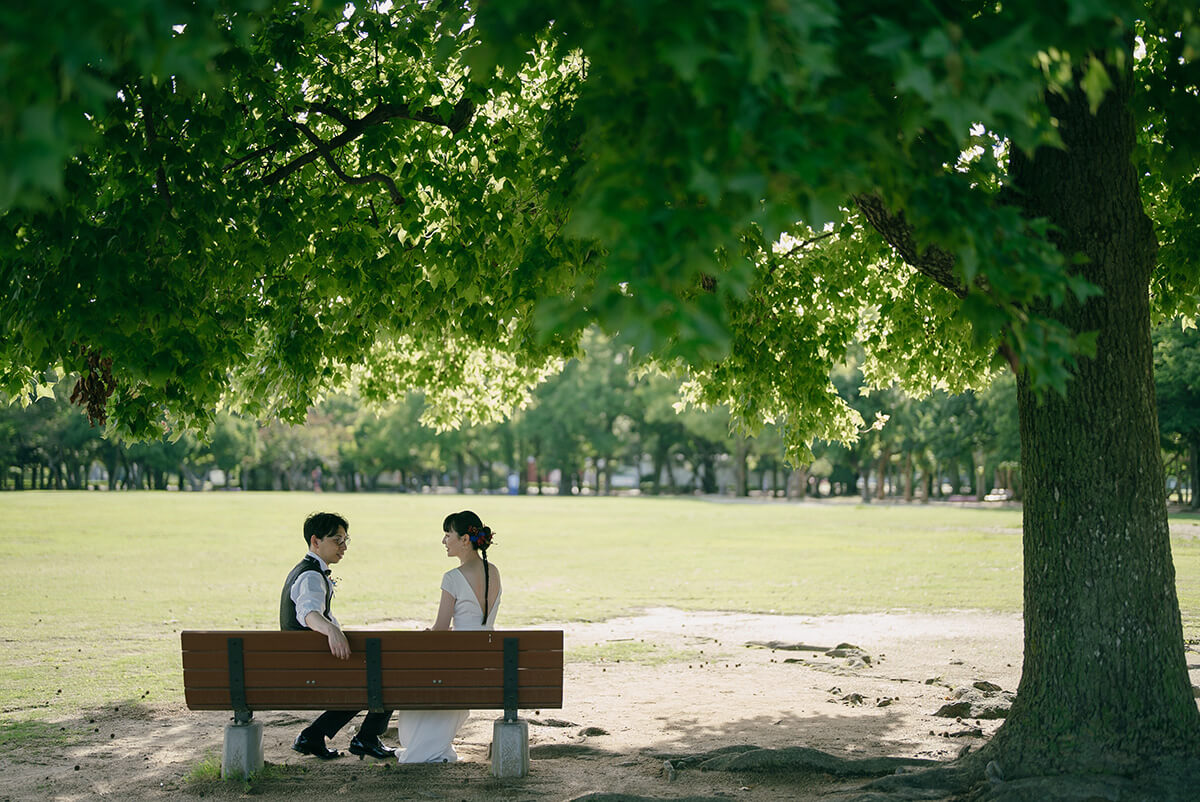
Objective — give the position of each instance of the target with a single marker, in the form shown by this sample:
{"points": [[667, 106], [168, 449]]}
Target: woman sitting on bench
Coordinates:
{"points": [[470, 598]]}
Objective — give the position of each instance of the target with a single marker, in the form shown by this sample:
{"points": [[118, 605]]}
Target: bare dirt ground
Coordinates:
{"points": [[707, 686]]}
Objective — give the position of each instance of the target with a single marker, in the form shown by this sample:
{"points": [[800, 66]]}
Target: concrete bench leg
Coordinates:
{"points": [[243, 752], [510, 748]]}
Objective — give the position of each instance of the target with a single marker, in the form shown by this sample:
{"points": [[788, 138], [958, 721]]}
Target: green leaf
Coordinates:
{"points": [[1095, 82]]}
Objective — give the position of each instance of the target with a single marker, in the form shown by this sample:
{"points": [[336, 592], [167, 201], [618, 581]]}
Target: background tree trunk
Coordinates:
{"points": [[741, 472], [979, 474], [1105, 686], [884, 461], [1193, 465], [909, 477]]}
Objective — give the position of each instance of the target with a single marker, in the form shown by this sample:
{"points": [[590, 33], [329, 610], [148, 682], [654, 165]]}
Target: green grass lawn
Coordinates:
{"points": [[96, 586]]}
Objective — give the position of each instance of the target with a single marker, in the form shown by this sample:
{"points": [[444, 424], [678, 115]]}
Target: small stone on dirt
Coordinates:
{"points": [[552, 722], [954, 710]]}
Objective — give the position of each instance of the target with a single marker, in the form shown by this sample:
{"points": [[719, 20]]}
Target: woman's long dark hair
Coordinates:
{"points": [[468, 523]]}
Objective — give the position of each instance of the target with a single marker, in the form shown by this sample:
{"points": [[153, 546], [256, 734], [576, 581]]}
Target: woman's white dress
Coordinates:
{"points": [[426, 735]]}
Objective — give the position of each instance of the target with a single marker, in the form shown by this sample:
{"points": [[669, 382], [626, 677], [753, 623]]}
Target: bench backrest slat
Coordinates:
{"points": [[351, 678], [294, 660], [392, 640], [418, 670]]}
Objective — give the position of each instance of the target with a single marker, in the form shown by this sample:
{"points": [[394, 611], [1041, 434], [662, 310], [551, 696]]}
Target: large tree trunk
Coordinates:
{"points": [[1105, 686]]}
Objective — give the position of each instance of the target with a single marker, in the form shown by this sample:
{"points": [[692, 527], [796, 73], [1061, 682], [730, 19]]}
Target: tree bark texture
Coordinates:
{"points": [[1105, 685]]}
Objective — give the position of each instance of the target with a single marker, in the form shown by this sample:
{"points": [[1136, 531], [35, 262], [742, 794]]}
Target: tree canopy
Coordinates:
{"points": [[255, 198]]}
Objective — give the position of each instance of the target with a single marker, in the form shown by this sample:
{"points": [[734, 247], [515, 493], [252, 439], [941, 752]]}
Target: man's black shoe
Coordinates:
{"points": [[315, 746], [363, 747]]}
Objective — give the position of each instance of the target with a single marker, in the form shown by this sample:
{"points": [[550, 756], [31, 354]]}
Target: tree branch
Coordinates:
{"points": [[325, 151], [934, 262], [151, 137], [384, 112], [797, 248], [254, 154], [802, 245], [329, 111]]}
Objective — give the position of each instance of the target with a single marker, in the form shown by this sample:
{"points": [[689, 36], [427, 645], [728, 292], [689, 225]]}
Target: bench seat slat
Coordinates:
{"points": [[356, 698], [304, 679], [303, 641], [390, 660]]}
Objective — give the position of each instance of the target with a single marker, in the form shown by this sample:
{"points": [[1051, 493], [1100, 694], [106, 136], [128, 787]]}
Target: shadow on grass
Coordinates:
{"points": [[843, 737], [38, 734]]}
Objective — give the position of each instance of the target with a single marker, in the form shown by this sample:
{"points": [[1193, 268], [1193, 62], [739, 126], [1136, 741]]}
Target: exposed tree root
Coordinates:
{"points": [[973, 779], [630, 798], [795, 759]]}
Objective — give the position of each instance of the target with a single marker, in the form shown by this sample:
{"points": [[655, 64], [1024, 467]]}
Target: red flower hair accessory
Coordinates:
{"points": [[480, 538]]}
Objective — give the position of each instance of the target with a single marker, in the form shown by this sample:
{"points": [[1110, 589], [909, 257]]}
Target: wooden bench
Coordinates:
{"points": [[387, 670]]}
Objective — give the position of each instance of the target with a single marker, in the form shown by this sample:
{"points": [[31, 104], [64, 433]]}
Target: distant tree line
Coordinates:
{"points": [[597, 427]]}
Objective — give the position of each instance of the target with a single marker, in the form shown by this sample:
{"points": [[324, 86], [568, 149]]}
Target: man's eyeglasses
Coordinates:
{"points": [[338, 539]]}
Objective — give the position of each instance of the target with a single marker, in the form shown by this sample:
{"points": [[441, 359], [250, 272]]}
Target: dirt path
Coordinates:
{"points": [[667, 683]]}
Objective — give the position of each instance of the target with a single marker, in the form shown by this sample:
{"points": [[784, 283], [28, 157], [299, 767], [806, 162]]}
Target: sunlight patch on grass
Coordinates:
{"points": [[205, 777], [33, 735], [631, 651], [205, 773]]}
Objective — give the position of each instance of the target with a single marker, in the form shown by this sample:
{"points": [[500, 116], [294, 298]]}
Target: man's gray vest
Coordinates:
{"points": [[287, 607]]}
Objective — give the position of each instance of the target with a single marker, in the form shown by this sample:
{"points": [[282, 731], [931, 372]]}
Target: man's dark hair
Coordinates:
{"points": [[322, 525]]}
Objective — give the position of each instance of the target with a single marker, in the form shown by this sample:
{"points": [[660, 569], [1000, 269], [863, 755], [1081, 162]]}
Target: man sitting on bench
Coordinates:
{"points": [[305, 604]]}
